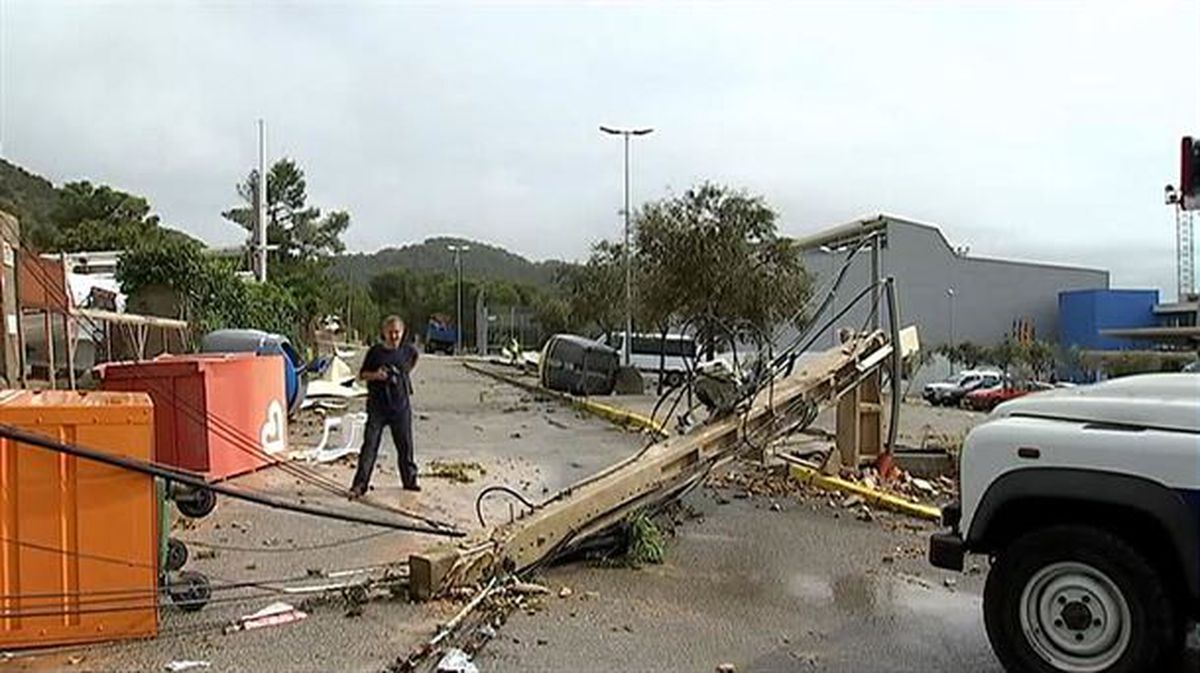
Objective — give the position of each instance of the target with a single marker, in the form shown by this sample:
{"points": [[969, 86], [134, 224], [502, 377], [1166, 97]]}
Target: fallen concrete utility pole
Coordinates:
{"points": [[660, 472]]}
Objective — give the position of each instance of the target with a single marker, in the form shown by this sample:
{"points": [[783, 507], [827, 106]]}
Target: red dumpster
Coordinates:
{"points": [[219, 414]]}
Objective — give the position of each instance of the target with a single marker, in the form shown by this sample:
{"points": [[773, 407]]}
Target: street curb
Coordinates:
{"points": [[808, 475], [612, 414]]}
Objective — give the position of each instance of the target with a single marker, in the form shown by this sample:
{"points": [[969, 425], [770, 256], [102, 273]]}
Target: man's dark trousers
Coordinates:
{"points": [[400, 424]]}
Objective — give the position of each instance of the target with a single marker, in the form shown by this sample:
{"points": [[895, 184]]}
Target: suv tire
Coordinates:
{"points": [[1078, 599]]}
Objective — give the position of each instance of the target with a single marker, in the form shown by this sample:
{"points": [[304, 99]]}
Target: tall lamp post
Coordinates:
{"points": [[458, 250], [626, 133], [950, 301]]}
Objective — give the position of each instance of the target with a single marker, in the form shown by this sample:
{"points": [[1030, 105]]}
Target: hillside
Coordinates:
{"points": [[30, 198], [481, 261]]}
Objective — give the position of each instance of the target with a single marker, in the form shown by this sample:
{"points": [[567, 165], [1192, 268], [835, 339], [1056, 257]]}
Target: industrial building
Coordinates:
{"points": [[951, 295]]}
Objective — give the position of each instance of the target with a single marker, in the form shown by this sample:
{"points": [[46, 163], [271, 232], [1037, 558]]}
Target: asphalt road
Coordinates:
{"points": [[792, 591]]}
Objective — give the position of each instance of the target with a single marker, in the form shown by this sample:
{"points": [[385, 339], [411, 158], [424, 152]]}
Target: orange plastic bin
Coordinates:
{"points": [[218, 414], [78, 540]]}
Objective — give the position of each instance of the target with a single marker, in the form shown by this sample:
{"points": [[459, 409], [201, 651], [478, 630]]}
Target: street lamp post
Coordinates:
{"points": [[950, 300], [626, 350], [458, 250]]}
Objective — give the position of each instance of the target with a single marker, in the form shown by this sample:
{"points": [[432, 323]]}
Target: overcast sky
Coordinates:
{"points": [[1039, 130]]}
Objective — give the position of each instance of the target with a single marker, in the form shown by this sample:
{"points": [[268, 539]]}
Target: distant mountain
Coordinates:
{"points": [[30, 198], [481, 261]]}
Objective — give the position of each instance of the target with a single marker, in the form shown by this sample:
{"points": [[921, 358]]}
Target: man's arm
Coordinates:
{"points": [[371, 371]]}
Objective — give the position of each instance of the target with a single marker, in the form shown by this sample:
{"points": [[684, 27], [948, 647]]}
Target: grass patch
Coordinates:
{"points": [[456, 471]]}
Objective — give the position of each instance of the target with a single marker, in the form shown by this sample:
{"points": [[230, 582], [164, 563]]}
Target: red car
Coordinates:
{"points": [[988, 398]]}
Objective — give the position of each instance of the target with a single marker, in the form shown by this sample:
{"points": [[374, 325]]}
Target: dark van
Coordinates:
{"points": [[579, 366]]}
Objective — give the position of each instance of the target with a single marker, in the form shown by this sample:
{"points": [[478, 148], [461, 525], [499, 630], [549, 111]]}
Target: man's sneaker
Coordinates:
{"points": [[412, 487]]}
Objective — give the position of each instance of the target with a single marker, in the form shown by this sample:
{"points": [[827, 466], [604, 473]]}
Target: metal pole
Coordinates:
{"points": [[950, 299], [260, 265], [627, 351], [626, 347], [458, 333], [875, 283]]}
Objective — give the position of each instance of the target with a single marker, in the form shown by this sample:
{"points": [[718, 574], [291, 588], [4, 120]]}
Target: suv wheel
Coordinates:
{"points": [[1077, 599]]}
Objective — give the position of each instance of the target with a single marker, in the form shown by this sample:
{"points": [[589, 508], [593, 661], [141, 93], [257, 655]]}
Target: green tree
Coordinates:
{"points": [[711, 258], [299, 232], [207, 290], [594, 291], [98, 217]]}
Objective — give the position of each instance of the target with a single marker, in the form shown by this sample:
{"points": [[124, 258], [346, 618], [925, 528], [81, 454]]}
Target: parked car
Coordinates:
{"points": [[1193, 368], [576, 365], [986, 399], [951, 391], [1087, 500]]}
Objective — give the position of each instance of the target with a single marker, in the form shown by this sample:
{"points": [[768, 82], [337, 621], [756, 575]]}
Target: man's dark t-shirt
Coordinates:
{"points": [[390, 398]]}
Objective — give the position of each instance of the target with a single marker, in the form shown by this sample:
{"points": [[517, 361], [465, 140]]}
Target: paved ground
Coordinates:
{"points": [[794, 590], [807, 588], [462, 416]]}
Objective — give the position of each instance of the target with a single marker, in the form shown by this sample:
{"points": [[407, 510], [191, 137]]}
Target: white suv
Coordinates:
{"points": [[1088, 501]]}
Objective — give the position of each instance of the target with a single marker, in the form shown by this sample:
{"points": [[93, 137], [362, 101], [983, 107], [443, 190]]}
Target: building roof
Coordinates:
{"points": [[852, 232], [1178, 307]]}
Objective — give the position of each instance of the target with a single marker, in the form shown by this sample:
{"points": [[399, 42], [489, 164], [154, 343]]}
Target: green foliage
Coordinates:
{"points": [[31, 199], [646, 544], [712, 257], [302, 235], [594, 292], [431, 256], [416, 296], [210, 294]]}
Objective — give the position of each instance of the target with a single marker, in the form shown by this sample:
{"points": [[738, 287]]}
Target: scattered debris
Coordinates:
{"points": [[726, 668], [924, 486], [527, 588], [185, 665], [486, 631], [74, 660], [456, 661], [852, 501], [950, 582], [456, 471], [206, 554], [565, 592], [864, 514], [775, 507], [590, 595], [272, 615], [558, 424]]}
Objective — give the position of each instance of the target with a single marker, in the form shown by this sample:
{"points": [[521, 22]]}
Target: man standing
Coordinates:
{"points": [[386, 369]]}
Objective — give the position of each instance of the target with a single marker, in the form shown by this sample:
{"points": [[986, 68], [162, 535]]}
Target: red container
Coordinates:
{"points": [[219, 414]]}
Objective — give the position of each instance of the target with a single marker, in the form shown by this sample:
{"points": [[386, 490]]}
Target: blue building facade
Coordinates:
{"points": [[1082, 314]]}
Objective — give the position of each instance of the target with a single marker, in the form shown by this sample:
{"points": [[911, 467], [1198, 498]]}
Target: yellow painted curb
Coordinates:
{"points": [[609, 413], [879, 498], [621, 416]]}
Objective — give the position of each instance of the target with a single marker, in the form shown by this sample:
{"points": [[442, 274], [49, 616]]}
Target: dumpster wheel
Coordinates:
{"points": [[177, 555], [197, 504], [189, 590]]}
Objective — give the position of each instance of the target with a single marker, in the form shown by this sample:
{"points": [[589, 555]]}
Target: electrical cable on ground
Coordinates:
{"points": [[143, 467]]}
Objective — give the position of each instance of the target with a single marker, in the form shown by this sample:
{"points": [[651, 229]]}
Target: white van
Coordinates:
{"points": [[647, 353]]}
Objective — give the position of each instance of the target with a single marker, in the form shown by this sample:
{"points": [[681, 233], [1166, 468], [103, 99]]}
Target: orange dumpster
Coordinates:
{"points": [[78, 540], [217, 414]]}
